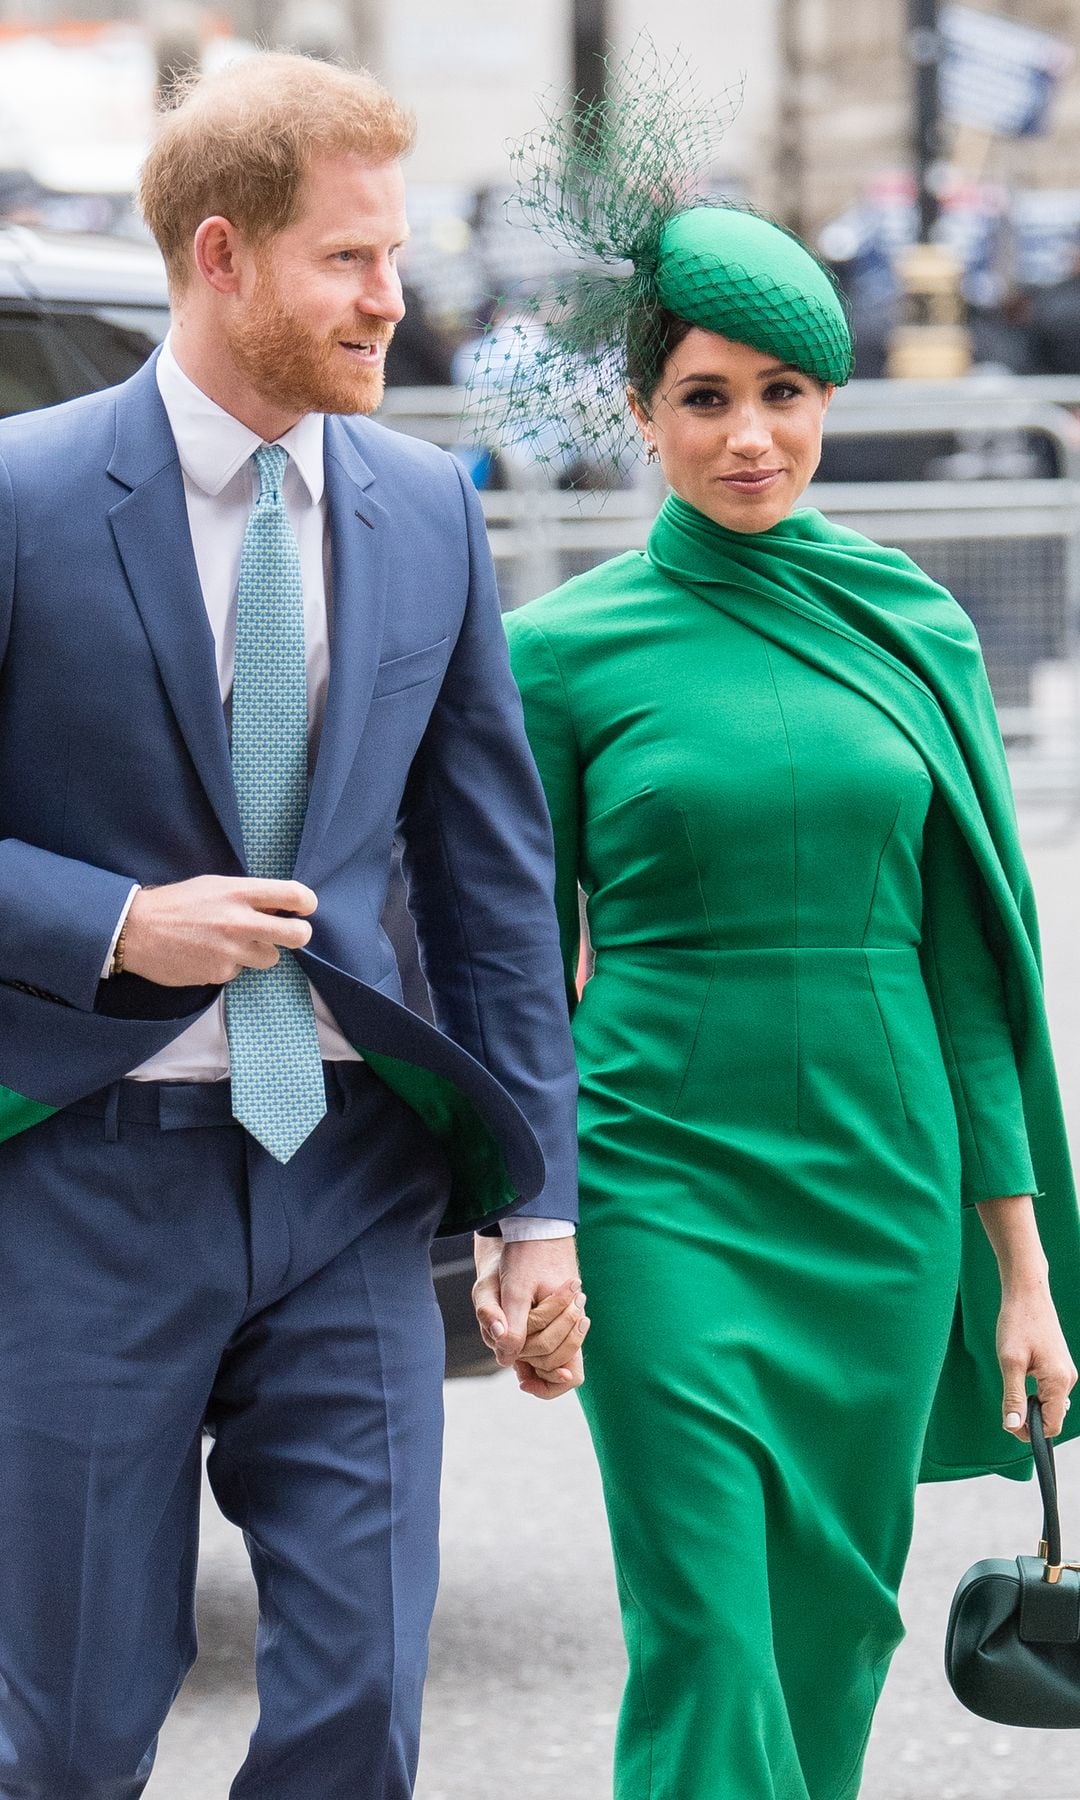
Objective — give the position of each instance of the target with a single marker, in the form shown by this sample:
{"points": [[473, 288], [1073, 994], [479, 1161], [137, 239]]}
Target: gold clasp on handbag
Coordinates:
{"points": [[1052, 1572]]}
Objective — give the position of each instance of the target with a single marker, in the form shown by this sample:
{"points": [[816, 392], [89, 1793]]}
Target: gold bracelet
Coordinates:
{"points": [[116, 967]]}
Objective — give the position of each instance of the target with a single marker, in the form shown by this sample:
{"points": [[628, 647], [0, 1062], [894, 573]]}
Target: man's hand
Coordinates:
{"points": [[201, 933], [526, 1298], [551, 1362]]}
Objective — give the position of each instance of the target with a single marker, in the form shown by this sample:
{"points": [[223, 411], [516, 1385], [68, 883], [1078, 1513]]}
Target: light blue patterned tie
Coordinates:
{"points": [[278, 1092]]}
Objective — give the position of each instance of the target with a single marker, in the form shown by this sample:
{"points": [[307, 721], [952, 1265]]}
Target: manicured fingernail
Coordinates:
{"points": [[1012, 1420], [497, 1328], [579, 1303]]}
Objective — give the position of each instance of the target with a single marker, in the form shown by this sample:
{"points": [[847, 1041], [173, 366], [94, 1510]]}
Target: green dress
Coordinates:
{"points": [[787, 925]]}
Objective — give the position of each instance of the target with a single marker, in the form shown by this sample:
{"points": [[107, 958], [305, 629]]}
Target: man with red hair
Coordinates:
{"points": [[246, 636]]}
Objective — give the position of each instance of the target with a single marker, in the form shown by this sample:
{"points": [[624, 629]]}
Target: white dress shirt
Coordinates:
{"points": [[220, 487]]}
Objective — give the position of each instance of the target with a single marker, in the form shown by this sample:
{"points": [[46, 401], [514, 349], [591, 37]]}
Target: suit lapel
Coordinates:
{"points": [[359, 534], [150, 527]]}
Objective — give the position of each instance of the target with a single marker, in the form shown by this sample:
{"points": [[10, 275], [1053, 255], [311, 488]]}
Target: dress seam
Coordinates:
{"points": [[689, 1063], [877, 873], [681, 810], [886, 1035], [550, 648], [794, 882]]}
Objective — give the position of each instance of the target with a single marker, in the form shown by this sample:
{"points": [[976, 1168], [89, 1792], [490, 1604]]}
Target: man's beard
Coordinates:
{"points": [[287, 364]]}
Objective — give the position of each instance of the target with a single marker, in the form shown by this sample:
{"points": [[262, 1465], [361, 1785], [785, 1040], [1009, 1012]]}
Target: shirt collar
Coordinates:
{"points": [[213, 446]]}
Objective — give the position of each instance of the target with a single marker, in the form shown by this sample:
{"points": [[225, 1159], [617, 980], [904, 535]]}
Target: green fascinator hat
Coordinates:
{"points": [[741, 276], [619, 188]]}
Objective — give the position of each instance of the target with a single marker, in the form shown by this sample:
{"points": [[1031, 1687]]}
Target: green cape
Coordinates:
{"points": [[870, 618]]}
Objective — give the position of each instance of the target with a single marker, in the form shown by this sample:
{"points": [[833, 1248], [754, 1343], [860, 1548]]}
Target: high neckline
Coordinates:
{"points": [[805, 524]]}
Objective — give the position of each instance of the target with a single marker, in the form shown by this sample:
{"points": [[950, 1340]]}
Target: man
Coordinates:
{"points": [[246, 634]]}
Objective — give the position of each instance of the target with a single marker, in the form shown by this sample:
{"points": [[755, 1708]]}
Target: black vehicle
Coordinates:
{"points": [[79, 313]]}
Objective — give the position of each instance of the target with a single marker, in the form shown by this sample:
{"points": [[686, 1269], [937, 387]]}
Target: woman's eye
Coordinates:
{"points": [[783, 390], [699, 397]]}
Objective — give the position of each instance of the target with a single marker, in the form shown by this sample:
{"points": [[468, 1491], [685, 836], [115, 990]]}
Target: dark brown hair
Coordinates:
{"points": [[652, 334]]}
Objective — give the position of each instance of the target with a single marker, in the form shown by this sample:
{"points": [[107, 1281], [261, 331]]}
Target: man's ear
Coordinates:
{"points": [[215, 247]]}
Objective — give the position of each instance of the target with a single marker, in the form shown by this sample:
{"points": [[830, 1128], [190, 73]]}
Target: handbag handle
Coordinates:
{"points": [[1043, 1451]]}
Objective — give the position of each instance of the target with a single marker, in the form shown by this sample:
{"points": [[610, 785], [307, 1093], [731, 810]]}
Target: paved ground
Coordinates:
{"points": [[526, 1657]]}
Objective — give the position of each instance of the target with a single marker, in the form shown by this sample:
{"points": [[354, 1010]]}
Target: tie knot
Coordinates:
{"points": [[271, 460]]}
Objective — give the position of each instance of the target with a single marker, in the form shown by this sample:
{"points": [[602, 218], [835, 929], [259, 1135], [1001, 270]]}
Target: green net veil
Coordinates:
{"points": [[621, 186]]}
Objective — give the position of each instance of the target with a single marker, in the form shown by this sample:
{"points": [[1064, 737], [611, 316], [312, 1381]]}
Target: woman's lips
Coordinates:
{"points": [[756, 481]]}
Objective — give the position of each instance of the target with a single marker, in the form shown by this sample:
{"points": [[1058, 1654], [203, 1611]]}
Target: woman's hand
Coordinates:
{"points": [[551, 1364], [1030, 1341]]}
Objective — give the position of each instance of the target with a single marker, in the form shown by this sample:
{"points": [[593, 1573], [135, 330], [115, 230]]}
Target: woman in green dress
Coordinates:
{"points": [[815, 1073]]}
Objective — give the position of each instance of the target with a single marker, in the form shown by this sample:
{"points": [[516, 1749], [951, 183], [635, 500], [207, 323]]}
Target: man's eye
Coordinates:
{"points": [[344, 255]]}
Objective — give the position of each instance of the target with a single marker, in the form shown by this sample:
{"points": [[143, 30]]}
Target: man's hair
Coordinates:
{"points": [[238, 143]]}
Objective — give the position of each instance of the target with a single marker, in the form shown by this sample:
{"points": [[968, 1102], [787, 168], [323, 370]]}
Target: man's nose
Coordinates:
{"points": [[381, 296]]}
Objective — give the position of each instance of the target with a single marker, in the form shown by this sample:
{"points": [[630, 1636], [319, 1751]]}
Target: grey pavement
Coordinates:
{"points": [[527, 1661]]}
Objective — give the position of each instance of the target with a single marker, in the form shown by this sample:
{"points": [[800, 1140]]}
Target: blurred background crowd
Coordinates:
{"points": [[868, 125]]}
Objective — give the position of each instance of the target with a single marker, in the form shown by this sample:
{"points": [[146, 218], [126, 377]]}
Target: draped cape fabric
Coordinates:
{"points": [[868, 617]]}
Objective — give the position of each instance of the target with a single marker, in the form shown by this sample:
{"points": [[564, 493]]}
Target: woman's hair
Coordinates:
{"points": [[238, 143], [652, 334]]}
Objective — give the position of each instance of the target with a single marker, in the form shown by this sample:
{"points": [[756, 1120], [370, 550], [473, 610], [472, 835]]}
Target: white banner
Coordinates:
{"points": [[997, 75]]}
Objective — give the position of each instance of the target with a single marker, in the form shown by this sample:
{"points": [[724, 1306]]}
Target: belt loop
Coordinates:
{"points": [[336, 1094], [112, 1114]]}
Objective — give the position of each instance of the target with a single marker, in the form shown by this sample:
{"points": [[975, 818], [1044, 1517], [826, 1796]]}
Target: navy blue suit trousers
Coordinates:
{"points": [[151, 1285]]}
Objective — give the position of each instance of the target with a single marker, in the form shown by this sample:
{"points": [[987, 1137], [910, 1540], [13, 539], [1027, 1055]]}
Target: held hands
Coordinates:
{"points": [[201, 933], [531, 1311]]}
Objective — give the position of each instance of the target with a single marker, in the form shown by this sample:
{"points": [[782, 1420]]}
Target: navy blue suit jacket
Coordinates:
{"points": [[114, 767]]}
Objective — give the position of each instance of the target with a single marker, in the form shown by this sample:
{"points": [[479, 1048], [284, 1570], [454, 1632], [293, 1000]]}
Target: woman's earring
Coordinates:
{"points": [[652, 452]]}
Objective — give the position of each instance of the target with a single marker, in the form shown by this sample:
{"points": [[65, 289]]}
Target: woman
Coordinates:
{"points": [[814, 1065]]}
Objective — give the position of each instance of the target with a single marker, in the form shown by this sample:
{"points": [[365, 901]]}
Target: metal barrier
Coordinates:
{"points": [[1009, 550]]}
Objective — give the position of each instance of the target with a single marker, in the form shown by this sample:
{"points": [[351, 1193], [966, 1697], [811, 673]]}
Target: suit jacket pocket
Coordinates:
{"points": [[400, 672]]}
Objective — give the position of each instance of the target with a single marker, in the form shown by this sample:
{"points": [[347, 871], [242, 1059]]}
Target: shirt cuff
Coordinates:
{"points": [[116, 934], [515, 1231]]}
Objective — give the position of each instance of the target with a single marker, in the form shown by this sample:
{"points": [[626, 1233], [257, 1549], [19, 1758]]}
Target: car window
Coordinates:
{"points": [[55, 354]]}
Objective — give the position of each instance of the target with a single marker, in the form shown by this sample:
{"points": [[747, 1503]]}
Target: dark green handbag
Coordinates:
{"points": [[1012, 1650]]}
